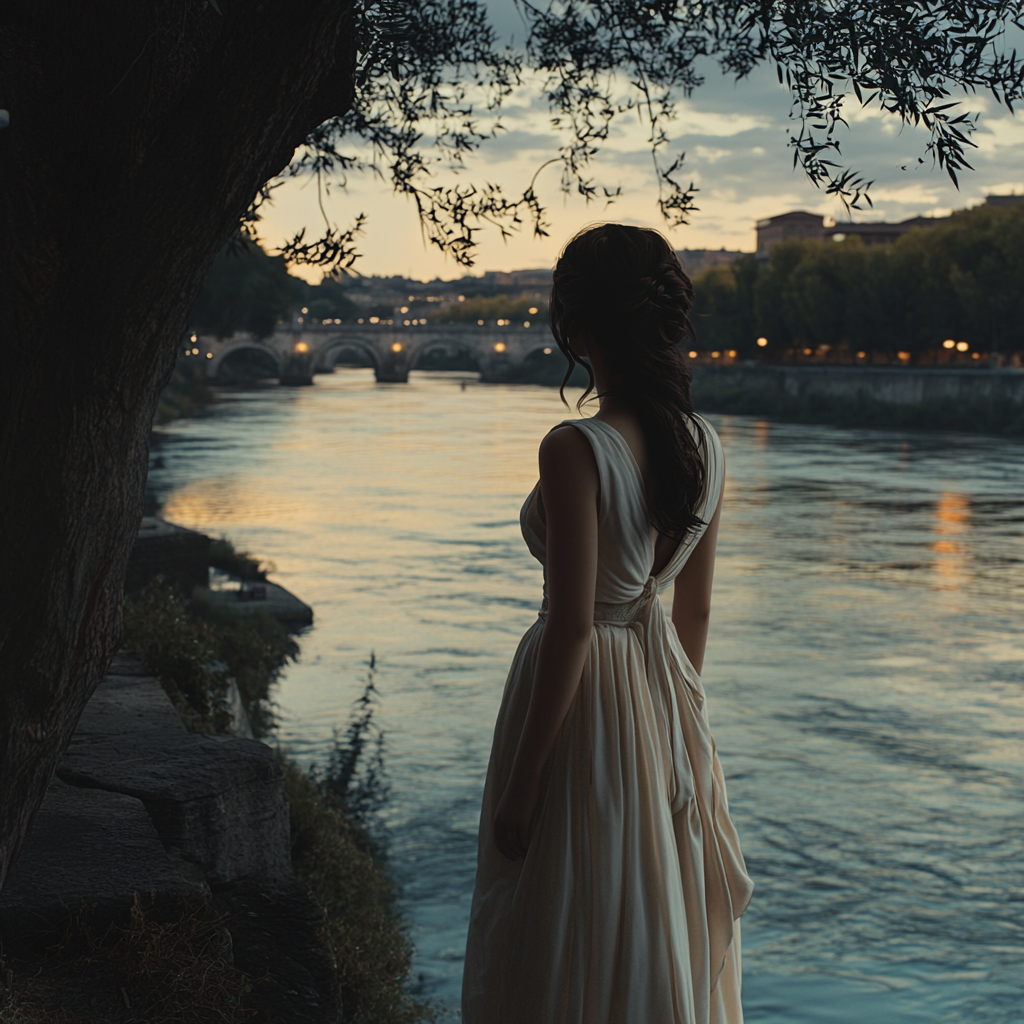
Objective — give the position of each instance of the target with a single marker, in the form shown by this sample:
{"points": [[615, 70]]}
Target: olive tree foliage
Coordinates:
{"points": [[432, 77]]}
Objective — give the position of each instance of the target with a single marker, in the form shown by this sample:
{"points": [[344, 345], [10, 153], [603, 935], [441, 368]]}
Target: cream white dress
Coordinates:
{"points": [[626, 907]]}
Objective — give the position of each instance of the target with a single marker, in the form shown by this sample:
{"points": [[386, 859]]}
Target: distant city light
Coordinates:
{"points": [[526, 323], [301, 347], [462, 298], [715, 355], [693, 355], [404, 309], [479, 323], [962, 346], [209, 355], [195, 338], [949, 343], [807, 351], [762, 342], [499, 346], [533, 310], [360, 320], [903, 357], [195, 351], [304, 310], [396, 346], [861, 355], [405, 323], [731, 353], [975, 355], [374, 319], [547, 351]]}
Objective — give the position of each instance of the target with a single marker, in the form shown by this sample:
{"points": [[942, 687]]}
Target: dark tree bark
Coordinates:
{"points": [[140, 133]]}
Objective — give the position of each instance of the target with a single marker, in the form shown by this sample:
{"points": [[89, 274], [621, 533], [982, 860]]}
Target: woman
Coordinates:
{"points": [[610, 879]]}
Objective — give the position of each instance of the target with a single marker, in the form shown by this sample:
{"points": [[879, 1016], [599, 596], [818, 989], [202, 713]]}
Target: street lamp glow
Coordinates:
{"points": [[532, 310], [949, 343], [715, 355], [762, 342], [962, 346], [693, 355], [301, 346], [396, 346], [499, 346]]}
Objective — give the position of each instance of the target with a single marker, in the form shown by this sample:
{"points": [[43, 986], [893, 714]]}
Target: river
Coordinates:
{"points": [[864, 667]]}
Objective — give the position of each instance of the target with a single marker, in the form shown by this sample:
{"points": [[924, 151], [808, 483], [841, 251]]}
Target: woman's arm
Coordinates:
{"points": [[569, 490], [691, 599]]}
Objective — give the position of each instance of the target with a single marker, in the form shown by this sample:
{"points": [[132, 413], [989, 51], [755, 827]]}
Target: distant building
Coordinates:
{"points": [[797, 224], [695, 261], [1003, 200], [878, 232], [519, 279]]}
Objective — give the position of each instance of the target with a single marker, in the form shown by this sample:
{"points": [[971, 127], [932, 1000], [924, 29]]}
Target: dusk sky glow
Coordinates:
{"points": [[734, 135]]}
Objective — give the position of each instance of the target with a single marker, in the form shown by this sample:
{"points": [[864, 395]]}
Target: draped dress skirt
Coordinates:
{"points": [[626, 908]]}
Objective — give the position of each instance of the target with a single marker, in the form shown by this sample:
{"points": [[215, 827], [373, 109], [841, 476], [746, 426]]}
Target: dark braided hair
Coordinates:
{"points": [[625, 288]]}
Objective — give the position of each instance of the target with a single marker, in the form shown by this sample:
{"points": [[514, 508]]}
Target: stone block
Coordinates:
{"points": [[258, 597], [218, 802], [87, 849]]}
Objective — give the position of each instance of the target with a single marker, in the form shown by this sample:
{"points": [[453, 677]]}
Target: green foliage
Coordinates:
{"points": [[332, 856], [328, 301], [959, 279], [245, 290], [490, 309], [431, 78], [224, 556], [333, 811], [193, 650], [161, 968]]}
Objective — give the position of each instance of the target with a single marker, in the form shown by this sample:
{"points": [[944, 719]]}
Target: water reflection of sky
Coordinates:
{"points": [[864, 669]]}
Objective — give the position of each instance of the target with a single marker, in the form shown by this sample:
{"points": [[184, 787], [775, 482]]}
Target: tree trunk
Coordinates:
{"points": [[139, 134]]}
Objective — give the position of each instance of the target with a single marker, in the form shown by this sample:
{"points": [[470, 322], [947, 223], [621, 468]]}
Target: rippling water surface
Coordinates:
{"points": [[864, 669]]}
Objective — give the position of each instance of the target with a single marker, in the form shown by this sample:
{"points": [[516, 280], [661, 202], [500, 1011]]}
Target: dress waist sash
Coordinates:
{"points": [[625, 614]]}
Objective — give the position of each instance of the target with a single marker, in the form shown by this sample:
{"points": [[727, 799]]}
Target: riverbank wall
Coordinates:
{"points": [[988, 401]]}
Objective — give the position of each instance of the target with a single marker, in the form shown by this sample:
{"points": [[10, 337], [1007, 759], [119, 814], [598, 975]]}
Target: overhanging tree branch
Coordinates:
{"points": [[432, 79]]}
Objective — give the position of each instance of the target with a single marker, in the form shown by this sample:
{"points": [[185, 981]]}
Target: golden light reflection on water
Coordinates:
{"points": [[219, 499], [762, 430], [952, 523]]}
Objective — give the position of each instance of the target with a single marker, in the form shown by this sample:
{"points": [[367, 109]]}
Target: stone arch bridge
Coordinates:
{"points": [[297, 352]]}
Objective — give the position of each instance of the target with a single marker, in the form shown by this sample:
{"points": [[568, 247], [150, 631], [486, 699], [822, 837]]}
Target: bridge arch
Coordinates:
{"points": [[267, 354], [328, 353], [447, 345]]}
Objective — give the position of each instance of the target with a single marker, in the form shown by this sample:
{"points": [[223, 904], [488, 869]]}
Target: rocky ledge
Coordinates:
{"points": [[142, 806]]}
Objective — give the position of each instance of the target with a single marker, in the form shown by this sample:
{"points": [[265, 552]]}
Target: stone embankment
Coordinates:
{"points": [[982, 400], [892, 385], [140, 805], [142, 808]]}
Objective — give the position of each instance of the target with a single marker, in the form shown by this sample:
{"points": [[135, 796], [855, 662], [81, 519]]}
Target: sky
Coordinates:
{"points": [[734, 135]]}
